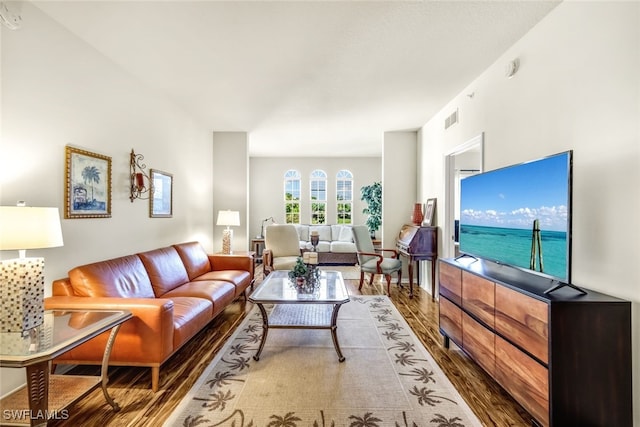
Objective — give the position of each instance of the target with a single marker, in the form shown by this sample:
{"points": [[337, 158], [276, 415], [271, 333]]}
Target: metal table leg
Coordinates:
{"points": [[334, 331], [105, 368], [265, 330]]}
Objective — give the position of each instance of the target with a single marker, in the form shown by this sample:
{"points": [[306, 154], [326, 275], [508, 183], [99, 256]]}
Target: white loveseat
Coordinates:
{"points": [[335, 245]]}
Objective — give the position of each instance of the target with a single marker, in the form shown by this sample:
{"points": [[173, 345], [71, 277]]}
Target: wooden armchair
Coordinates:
{"points": [[281, 247], [373, 262]]}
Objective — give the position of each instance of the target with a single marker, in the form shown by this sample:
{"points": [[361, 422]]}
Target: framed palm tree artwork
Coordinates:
{"points": [[87, 191]]}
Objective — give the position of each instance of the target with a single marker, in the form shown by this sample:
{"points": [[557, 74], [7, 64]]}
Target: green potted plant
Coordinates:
{"points": [[372, 194], [298, 272]]}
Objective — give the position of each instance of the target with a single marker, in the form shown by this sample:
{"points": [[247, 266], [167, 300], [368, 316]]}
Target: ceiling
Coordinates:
{"points": [[303, 78]]}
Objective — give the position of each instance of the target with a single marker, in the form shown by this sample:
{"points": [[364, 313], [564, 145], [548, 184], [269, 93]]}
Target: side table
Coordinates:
{"points": [[47, 396]]}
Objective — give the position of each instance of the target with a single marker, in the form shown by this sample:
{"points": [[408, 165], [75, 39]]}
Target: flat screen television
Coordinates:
{"points": [[520, 216]]}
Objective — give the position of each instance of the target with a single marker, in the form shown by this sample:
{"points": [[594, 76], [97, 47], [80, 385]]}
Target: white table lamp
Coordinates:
{"points": [[228, 218], [22, 279]]}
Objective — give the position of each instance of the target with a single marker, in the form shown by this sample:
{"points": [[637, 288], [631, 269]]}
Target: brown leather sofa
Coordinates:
{"points": [[173, 292]]}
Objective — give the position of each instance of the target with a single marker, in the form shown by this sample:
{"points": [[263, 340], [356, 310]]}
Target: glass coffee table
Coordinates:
{"points": [[315, 308], [47, 396]]}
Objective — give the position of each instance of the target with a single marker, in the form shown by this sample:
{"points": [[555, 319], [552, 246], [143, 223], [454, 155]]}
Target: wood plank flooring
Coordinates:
{"points": [[130, 387]]}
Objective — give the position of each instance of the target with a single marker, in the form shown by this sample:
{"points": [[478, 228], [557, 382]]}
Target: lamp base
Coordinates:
{"points": [[21, 294], [227, 235]]}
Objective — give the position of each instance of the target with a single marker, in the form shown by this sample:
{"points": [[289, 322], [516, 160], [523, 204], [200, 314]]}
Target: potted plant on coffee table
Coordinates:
{"points": [[298, 272]]}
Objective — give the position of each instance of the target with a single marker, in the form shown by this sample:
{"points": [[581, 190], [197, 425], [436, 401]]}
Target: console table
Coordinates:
{"points": [[565, 357], [46, 396]]}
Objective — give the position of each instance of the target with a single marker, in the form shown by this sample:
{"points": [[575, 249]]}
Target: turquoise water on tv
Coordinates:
{"points": [[513, 246]]}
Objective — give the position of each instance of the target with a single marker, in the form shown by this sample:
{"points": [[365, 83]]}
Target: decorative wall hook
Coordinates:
{"points": [[138, 188]]}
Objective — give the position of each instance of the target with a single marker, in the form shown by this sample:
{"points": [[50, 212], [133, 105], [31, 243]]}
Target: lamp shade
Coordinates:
{"points": [[228, 218], [23, 227]]}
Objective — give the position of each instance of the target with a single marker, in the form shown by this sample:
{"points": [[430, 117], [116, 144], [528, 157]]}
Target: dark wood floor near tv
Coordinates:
{"points": [[143, 408], [565, 356]]}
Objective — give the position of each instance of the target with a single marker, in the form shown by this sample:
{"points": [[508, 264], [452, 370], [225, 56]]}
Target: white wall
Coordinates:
{"points": [[57, 90], [231, 185], [266, 186], [578, 88], [398, 183]]}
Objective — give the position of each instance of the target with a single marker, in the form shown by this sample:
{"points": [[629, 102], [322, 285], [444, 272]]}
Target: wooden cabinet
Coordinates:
{"points": [[451, 283], [479, 298], [524, 321], [565, 357]]}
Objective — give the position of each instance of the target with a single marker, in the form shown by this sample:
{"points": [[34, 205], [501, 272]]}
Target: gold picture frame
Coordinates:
{"points": [[161, 198], [87, 190]]}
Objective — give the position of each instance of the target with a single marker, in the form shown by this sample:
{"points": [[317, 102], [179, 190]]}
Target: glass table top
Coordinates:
{"points": [[61, 330], [277, 288]]}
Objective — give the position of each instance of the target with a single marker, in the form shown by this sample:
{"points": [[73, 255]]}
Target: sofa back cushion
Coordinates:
{"points": [[120, 277], [341, 233], [165, 269], [324, 232], [303, 232], [194, 258]]}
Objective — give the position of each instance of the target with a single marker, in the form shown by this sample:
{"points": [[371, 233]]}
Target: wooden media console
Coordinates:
{"points": [[564, 356]]}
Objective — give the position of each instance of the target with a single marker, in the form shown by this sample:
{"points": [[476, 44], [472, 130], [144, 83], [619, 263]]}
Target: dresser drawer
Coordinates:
{"points": [[451, 320], [524, 321], [450, 282], [479, 343], [524, 378], [478, 298]]}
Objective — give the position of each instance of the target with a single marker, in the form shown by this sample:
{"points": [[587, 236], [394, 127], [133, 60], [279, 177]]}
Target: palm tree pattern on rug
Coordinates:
{"points": [[217, 393]]}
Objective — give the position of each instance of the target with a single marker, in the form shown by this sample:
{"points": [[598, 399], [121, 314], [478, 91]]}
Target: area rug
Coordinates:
{"points": [[387, 379]]}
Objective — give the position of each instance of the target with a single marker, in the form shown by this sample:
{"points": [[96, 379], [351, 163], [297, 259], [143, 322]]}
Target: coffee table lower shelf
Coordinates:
{"points": [[301, 316], [64, 390]]}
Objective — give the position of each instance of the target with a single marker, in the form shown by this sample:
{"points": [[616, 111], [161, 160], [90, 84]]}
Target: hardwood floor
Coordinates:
{"points": [[130, 387]]}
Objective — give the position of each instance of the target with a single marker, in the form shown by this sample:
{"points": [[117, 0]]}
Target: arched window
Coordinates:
{"points": [[344, 196], [292, 197], [318, 186]]}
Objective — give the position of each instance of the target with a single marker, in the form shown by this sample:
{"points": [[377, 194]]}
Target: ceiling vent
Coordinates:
{"points": [[451, 120]]}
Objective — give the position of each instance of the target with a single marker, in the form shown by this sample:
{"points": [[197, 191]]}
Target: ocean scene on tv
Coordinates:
{"points": [[498, 210]]}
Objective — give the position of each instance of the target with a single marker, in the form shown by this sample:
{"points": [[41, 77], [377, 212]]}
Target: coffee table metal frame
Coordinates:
{"points": [[296, 310]]}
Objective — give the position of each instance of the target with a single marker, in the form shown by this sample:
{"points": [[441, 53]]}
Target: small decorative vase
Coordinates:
{"points": [[417, 216]]}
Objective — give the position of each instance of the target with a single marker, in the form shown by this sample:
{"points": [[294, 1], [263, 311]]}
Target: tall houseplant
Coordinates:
{"points": [[372, 194]]}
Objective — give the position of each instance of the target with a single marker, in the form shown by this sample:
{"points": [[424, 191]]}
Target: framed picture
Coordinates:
{"points": [[161, 199], [429, 213], [87, 191]]}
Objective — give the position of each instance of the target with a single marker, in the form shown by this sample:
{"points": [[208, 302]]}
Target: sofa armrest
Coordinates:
{"points": [[242, 262], [151, 326]]}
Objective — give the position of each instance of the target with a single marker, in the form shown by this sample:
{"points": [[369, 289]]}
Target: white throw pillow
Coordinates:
{"points": [[346, 234]]}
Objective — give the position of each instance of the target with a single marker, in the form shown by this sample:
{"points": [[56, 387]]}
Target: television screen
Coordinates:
{"points": [[520, 216]]}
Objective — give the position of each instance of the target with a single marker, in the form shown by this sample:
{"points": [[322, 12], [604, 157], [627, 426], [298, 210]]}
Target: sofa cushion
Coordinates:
{"points": [[343, 247], [284, 263], [219, 293], [323, 246], [190, 315], [118, 277], [240, 279], [165, 269], [303, 232], [346, 234], [324, 232], [194, 258], [336, 229]]}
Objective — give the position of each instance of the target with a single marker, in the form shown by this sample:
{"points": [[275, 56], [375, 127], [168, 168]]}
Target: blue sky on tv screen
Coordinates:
{"points": [[514, 196]]}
